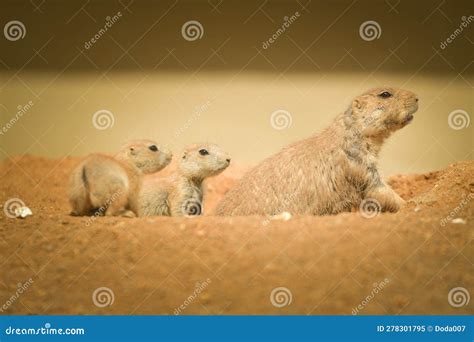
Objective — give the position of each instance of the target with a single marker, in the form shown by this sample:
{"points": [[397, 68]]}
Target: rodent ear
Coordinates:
{"points": [[359, 103]]}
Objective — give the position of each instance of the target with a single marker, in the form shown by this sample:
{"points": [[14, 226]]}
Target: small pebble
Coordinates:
{"points": [[285, 216], [417, 209], [458, 221], [23, 212]]}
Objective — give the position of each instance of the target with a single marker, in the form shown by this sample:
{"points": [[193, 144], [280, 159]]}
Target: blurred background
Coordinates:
{"points": [[252, 76]]}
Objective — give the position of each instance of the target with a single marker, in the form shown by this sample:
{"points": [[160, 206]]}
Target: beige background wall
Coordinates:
{"points": [[153, 81]]}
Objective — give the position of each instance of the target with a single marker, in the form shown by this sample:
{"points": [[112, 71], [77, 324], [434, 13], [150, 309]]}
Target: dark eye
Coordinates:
{"points": [[203, 152], [153, 148], [385, 94]]}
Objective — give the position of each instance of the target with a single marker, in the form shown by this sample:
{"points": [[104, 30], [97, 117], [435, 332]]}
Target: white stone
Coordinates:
{"points": [[23, 212], [284, 216]]}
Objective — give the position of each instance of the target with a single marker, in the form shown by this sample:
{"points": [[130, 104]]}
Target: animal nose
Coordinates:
{"points": [[228, 160], [416, 99]]}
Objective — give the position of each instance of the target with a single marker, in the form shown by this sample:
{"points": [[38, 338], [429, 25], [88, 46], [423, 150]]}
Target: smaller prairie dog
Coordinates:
{"points": [[181, 193], [110, 184]]}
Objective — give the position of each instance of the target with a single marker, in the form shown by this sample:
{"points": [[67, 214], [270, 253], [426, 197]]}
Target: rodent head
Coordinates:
{"points": [[146, 155], [203, 160], [381, 111]]}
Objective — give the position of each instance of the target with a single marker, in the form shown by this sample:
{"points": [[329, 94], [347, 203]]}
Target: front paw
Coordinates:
{"points": [[128, 213], [387, 199]]}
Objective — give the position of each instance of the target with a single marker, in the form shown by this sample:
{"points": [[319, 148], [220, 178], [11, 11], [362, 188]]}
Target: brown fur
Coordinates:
{"points": [[330, 172], [109, 184], [181, 193]]}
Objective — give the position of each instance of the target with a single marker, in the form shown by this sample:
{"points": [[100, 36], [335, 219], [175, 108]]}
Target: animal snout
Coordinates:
{"points": [[228, 160]]}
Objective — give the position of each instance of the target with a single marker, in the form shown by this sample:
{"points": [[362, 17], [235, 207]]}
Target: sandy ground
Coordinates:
{"points": [[329, 265]]}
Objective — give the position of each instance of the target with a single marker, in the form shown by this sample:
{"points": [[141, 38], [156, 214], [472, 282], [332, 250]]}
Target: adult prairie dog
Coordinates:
{"points": [[330, 172], [110, 184], [181, 193]]}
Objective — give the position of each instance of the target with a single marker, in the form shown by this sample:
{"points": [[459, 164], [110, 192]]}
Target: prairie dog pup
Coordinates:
{"points": [[330, 172], [110, 184], [181, 193]]}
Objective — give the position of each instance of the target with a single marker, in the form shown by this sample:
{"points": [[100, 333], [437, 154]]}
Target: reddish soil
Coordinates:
{"points": [[329, 264]]}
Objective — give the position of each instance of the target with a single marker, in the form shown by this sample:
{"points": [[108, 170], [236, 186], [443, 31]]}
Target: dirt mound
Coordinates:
{"points": [[404, 263]]}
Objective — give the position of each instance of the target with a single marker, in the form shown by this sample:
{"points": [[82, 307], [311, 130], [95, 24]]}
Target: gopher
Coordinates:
{"points": [[330, 172], [181, 193], [110, 184]]}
